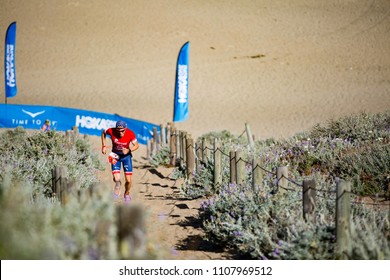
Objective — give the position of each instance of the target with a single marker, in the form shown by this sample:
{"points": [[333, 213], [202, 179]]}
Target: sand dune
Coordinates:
{"points": [[282, 66]]}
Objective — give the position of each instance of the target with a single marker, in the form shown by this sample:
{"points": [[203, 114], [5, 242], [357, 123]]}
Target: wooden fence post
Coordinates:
{"points": [[205, 150], [69, 190], [184, 147], [71, 136], [257, 172], [155, 142], [69, 139], [75, 129], [169, 125], [281, 176], [343, 212], [249, 135], [217, 164], [149, 148], [55, 185], [64, 196], [309, 200], [172, 145], [131, 232], [190, 157], [178, 147], [240, 168], [59, 182], [233, 174], [162, 135], [198, 153]]}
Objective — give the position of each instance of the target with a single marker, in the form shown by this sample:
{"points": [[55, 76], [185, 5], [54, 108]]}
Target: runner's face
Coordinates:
{"points": [[121, 131]]}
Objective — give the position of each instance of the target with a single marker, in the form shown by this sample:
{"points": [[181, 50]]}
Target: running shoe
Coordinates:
{"points": [[127, 198]]}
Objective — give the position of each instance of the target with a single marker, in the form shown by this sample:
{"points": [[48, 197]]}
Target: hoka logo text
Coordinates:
{"points": [[93, 123], [182, 83], [10, 66]]}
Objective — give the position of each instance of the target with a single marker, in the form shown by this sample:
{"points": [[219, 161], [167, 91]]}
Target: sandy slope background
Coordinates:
{"points": [[282, 66]]}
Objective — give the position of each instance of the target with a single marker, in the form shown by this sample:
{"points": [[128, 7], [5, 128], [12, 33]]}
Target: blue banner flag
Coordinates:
{"points": [[180, 112], [63, 119], [9, 61]]}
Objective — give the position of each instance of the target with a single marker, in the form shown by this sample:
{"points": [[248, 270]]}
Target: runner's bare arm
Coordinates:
{"points": [[104, 148], [135, 146]]}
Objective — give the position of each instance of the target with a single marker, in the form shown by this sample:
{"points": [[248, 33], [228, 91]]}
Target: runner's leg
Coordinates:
{"points": [[116, 176], [127, 184], [128, 168]]}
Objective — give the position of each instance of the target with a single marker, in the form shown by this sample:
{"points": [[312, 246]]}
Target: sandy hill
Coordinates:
{"points": [[281, 66]]}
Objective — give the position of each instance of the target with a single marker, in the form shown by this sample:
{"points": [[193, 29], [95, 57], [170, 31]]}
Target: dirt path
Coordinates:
{"points": [[172, 227]]}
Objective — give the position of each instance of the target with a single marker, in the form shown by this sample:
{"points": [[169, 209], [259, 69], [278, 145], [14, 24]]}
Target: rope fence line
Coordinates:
{"points": [[242, 134], [181, 145]]}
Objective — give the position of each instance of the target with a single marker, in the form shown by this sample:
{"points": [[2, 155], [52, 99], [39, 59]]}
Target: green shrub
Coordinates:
{"points": [[161, 158], [33, 226], [31, 156]]}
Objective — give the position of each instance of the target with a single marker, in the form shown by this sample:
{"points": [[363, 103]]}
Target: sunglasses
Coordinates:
{"points": [[120, 130]]}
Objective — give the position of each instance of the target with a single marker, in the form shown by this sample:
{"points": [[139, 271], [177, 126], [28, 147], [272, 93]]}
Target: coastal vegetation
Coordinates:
{"points": [[258, 221], [262, 222]]}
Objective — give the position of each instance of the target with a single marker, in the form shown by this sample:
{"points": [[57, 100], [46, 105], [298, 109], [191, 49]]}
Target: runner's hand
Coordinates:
{"points": [[104, 150]]}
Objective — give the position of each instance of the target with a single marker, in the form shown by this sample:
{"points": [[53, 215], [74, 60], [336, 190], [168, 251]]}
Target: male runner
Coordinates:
{"points": [[124, 142]]}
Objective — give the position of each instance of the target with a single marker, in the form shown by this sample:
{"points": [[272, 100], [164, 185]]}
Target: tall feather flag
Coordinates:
{"points": [[9, 62], [180, 112]]}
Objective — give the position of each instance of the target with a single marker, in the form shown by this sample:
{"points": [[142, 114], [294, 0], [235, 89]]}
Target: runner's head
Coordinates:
{"points": [[120, 126]]}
